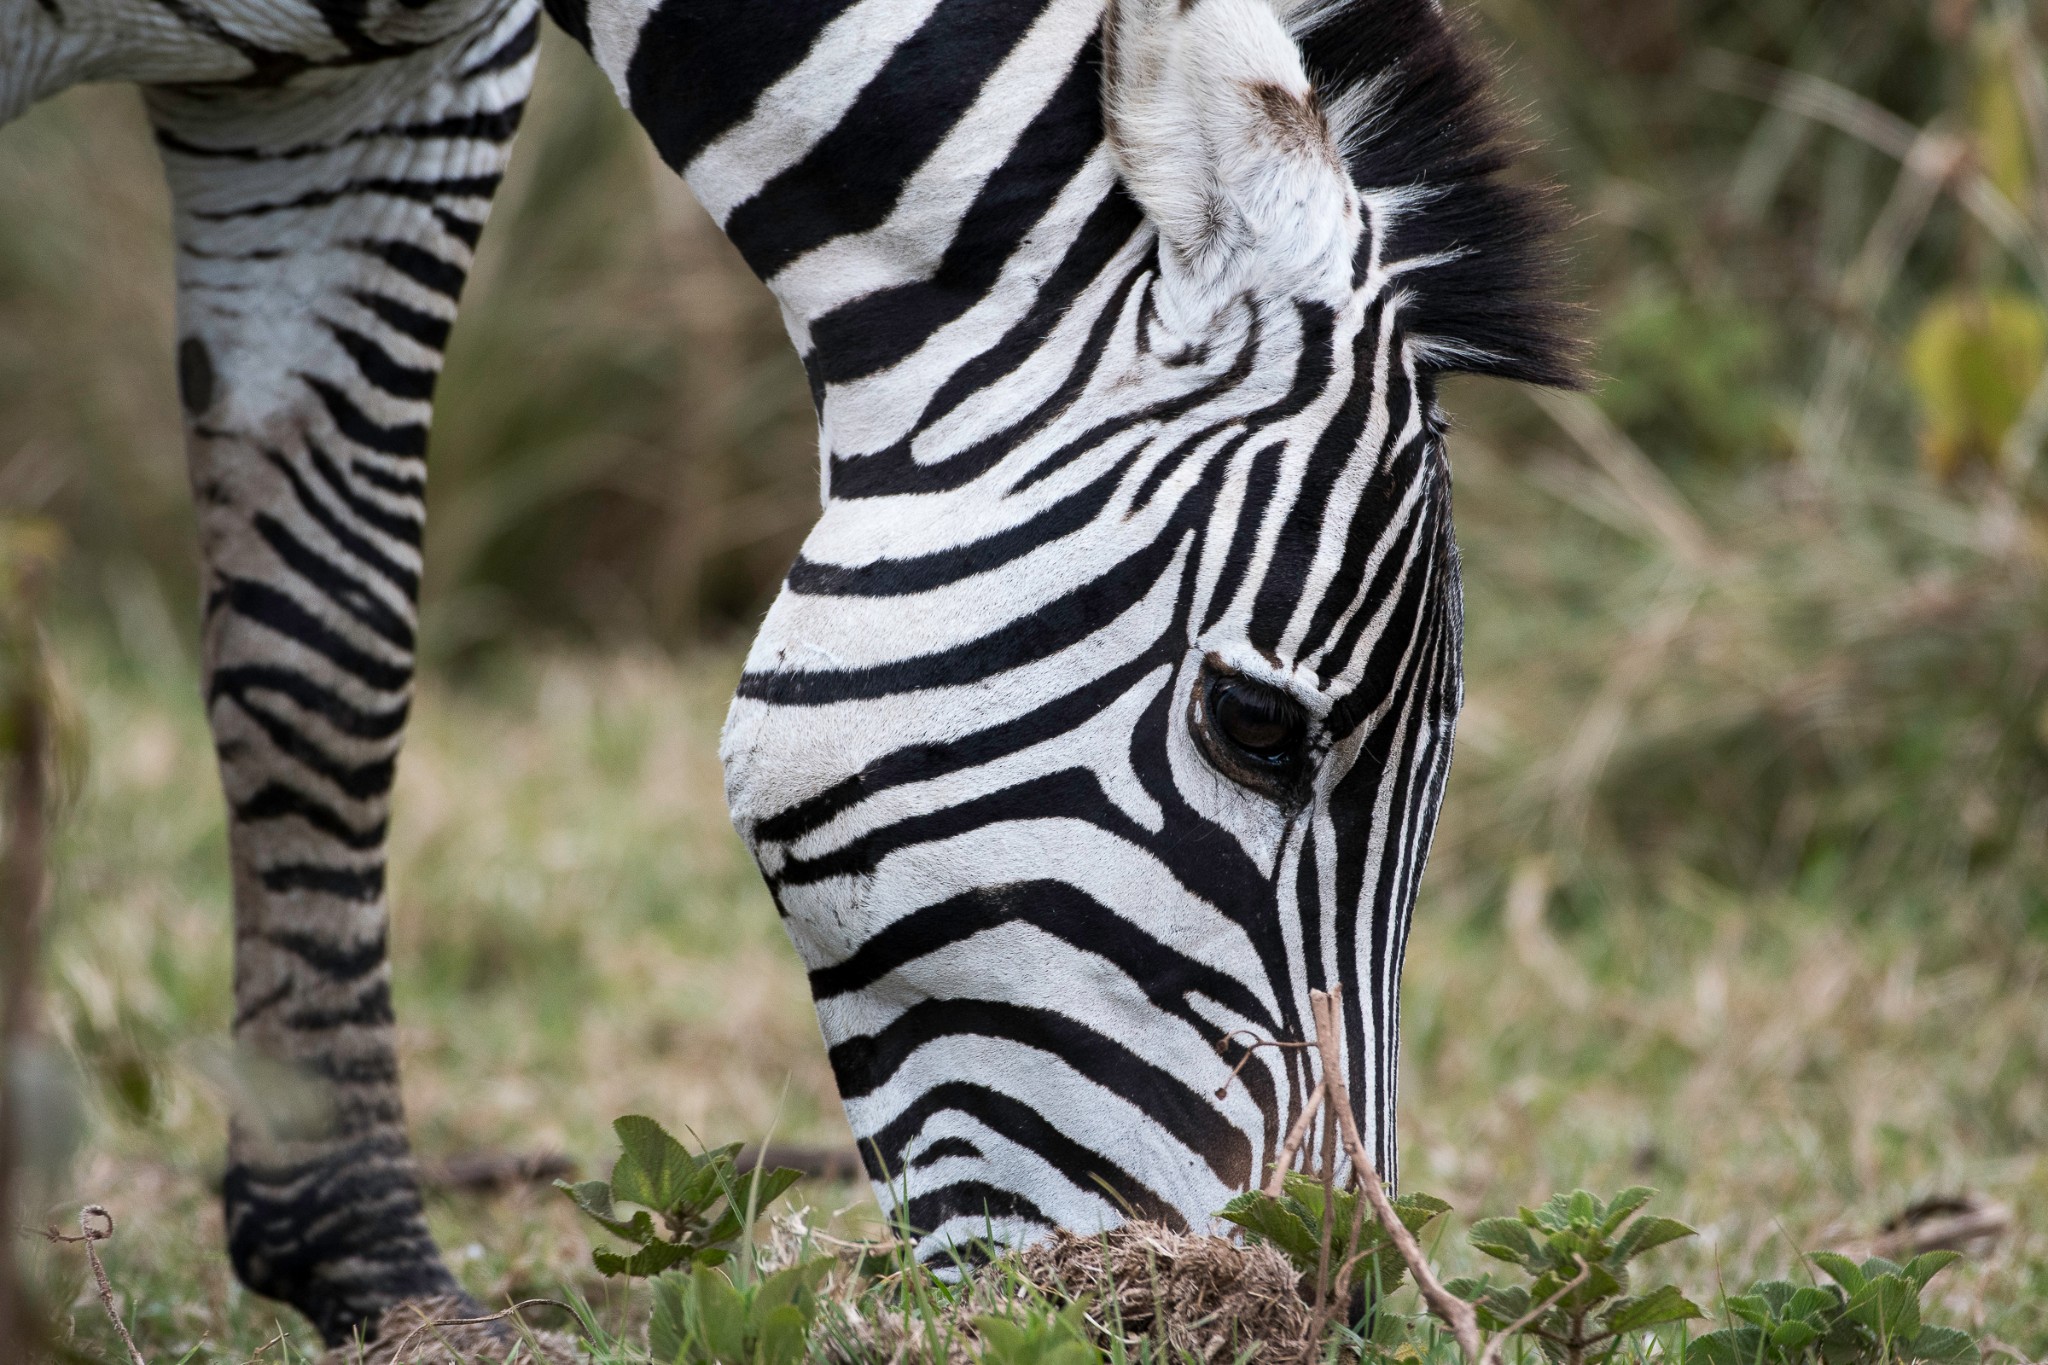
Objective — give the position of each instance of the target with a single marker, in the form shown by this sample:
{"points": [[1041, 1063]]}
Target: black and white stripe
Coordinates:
{"points": [[961, 748], [331, 167], [1103, 421]]}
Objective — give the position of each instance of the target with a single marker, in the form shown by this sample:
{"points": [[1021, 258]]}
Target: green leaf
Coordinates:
{"points": [[1418, 1211], [1928, 1264], [594, 1198], [1839, 1268], [1942, 1346], [653, 1167], [782, 1336], [727, 1227], [1624, 1204], [1792, 1337], [1661, 1305], [1729, 1346], [651, 1259], [667, 1330], [721, 1316], [1646, 1234], [1003, 1338], [1271, 1221], [791, 1286], [1810, 1303], [766, 1187], [1507, 1239], [1888, 1305]]}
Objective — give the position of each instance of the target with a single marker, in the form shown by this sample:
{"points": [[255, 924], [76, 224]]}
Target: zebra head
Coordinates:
{"points": [[1108, 708]]}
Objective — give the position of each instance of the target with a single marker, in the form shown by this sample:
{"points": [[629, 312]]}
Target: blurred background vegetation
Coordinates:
{"points": [[1742, 888]]}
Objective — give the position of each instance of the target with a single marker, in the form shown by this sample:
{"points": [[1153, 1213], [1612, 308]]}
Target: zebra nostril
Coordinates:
{"points": [[195, 375]]}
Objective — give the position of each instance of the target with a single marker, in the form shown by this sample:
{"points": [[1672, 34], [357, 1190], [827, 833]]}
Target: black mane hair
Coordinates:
{"points": [[1433, 126]]}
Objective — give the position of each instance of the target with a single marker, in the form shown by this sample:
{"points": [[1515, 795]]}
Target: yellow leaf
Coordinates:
{"points": [[1999, 120], [1972, 359]]}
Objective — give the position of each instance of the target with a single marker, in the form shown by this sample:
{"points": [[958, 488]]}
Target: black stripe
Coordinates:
{"points": [[1045, 631], [485, 125], [876, 331], [376, 364], [1082, 1166], [416, 191], [407, 529], [923, 573], [512, 52], [420, 266], [278, 612], [894, 471], [407, 440], [688, 81], [899, 118], [332, 957], [866, 1062], [425, 328], [334, 583], [343, 883], [236, 682], [277, 801]]}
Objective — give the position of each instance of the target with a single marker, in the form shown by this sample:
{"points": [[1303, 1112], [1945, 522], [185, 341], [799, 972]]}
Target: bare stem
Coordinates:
{"points": [[1454, 1311], [88, 1234], [1291, 1147]]}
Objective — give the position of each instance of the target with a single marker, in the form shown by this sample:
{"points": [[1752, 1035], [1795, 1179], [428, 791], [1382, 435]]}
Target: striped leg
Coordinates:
{"points": [[325, 226]]}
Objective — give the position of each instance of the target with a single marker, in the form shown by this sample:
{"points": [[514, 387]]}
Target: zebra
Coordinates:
{"points": [[1107, 709]]}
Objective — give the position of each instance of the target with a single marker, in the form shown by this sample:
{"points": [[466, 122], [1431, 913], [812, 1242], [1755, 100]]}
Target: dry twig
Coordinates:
{"points": [[1455, 1313], [88, 1234], [1291, 1146]]}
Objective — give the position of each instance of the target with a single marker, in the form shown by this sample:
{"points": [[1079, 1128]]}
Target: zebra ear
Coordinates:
{"points": [[1221, 138]]}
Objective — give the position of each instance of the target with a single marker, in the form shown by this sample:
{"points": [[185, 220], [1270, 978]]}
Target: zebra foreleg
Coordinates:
{"points": [[325, 226]]}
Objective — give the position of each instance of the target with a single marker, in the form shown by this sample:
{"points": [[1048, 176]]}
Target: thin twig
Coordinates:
{"points": [[1341, 1281], [88, 1234], [1223, 1044], [1291, 1147], [1457, 1314]]}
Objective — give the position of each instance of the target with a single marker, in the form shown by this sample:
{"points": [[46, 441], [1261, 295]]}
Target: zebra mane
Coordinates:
{"points": [[1423, 134]]}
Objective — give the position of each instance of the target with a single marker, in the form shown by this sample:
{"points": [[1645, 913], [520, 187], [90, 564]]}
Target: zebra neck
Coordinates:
{"points": [[922, 183]]}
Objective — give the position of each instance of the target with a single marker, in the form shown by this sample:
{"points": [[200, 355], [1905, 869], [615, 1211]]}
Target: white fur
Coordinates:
{"points": [[1244, 201]]}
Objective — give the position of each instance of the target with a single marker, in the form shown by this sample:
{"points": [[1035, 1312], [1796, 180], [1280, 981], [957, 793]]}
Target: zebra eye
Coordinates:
{"points": [[1254, 734]]}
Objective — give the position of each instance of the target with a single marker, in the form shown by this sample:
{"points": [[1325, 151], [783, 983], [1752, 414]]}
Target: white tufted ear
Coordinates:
{"points": [[1220, 137]]}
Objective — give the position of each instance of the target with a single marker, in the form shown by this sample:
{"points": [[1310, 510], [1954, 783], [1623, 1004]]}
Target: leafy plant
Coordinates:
{"points": [[1294, 1223], [1576, 1251], [1043, 1336], [690, 1207], [702, 1318], [1870, 1315]]}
